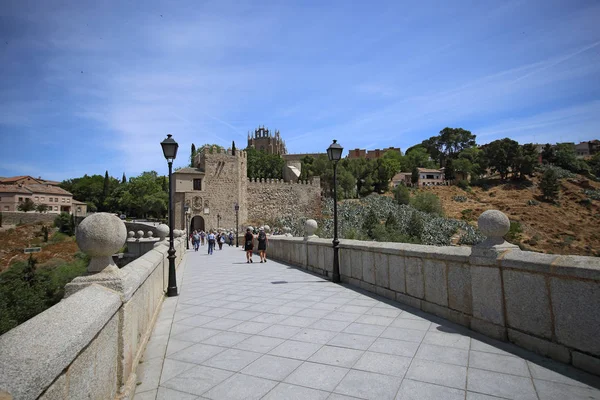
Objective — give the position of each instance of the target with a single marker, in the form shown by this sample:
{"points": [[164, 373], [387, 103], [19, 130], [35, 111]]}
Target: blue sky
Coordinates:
{"points": [[89, 86]]}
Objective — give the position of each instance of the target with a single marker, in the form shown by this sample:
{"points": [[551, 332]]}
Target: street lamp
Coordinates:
{"points": [[237, 224], [187, 234], [218, 221], [334, 153], [169, 148]]}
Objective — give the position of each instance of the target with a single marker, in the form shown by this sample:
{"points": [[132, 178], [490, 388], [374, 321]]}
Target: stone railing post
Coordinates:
{"points": [[486, 277], [100, 236]]}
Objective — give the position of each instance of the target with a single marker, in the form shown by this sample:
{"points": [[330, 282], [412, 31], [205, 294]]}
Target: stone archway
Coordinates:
{"points": [[197, 224]]}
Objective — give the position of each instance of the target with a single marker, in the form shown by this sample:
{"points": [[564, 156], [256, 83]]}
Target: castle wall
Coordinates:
{"points": [[273, 199]]}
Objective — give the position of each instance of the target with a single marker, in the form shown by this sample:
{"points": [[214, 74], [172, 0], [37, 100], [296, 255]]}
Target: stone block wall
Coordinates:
{"points": [[89, 344], [546, 303], [17, 217], [271, 199]]}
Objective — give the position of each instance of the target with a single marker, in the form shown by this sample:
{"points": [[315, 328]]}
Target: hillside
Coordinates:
{"points": [[571, 226], [13, 240]]}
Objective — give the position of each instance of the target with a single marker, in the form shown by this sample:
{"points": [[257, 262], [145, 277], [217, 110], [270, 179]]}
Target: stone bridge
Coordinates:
{"points": [[408, 322]]}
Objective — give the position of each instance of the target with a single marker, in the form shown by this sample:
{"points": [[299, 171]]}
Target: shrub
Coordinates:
{"points": [[402, 194], [514, 233], [64, 223], [549, 184], [415, 226], [463, 184], [460, 199], [561, 173], [532, 202], [427, 202], [371, 221], [41, 208], [467, 214], [585, 202], [592, 194]]}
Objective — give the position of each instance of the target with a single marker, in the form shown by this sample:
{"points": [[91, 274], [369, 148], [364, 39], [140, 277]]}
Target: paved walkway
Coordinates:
{"points": [[269, 331]]}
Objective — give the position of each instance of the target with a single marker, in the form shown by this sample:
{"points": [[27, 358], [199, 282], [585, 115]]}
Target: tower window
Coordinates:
{"points": [[197, 184]]}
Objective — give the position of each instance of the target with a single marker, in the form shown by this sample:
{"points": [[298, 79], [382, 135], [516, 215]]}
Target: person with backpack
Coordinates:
{"points": [[202, 235], [230, 238], [248, 245], [262, 244], [211, 242]]}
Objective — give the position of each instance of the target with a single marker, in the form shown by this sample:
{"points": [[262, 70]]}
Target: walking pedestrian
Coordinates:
{"points": [[248, 245], [230, 238], [196, 240], [202, 236], [262, 244], [211, 242], [221, 240]]}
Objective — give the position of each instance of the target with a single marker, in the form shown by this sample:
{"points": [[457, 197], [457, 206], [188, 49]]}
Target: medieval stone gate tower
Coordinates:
{"points": [[211, 189]]}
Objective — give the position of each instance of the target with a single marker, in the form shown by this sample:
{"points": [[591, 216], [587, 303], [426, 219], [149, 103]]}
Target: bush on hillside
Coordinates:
{"points": [[402, 194], [65, 224], [550, 185], [427, 202]]}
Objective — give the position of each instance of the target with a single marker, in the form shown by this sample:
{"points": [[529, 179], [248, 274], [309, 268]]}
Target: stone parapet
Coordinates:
{"points": [[89, 344], [546, 303]]}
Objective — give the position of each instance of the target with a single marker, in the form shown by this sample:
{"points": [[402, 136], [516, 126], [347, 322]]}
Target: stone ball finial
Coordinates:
{"points": [[250, 227], [267, 228], [100, 236], [150, 234], [310, 226], [163, 231], [287, 230], [140, 234], [493, 223], [130, 234]]}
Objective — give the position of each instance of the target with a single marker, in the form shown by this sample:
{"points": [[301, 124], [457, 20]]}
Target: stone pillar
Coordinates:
{"points": [[486, 278], [100, 236]]}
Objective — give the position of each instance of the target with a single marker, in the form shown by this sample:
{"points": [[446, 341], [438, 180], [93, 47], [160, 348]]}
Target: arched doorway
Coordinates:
{"points": [[197, 224]]}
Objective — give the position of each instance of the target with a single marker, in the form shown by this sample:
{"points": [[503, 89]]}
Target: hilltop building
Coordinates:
{"points": [[371, 154], [427, 177], [264, 140], [17, 189]]}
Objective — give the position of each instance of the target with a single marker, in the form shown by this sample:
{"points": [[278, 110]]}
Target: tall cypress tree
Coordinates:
{"points": [[105, 190], [124, 179], [192, 155]]}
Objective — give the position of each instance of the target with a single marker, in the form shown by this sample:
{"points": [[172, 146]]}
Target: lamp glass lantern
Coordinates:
{"points": [[169, 148], [334, 152]]}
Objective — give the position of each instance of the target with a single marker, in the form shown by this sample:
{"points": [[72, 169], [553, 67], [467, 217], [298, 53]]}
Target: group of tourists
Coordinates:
{"points": [[262, 240], [212, 238]]}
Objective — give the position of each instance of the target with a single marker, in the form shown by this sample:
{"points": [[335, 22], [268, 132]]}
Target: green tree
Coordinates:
{"points": [[402, 194], [416, 158], [414, 176], [391, 223], [124, 178], [41, 208], [525, 161], [26, 205], [594, 164], [346, 182], [64, 223], [501, 155], [448, 144], [105, 192], [263, 165], [549, 185], [192, 155], [415, 226], [370, 222]]}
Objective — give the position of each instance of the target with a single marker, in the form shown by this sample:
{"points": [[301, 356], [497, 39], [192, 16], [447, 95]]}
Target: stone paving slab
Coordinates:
{"points": [[271, 331]]}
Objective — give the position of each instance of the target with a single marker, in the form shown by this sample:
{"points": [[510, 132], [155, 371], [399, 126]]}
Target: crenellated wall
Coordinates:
{"points": [[272, 199], [546, 303]]}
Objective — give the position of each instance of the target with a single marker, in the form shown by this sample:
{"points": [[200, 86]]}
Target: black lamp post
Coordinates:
{"points": [[169, 147], [334, 153], [218, 221], [187, 234], [237, 224]]}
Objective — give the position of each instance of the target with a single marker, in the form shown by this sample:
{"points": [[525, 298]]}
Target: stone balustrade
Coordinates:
{"points": [[89, 344], [546, 303]]}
